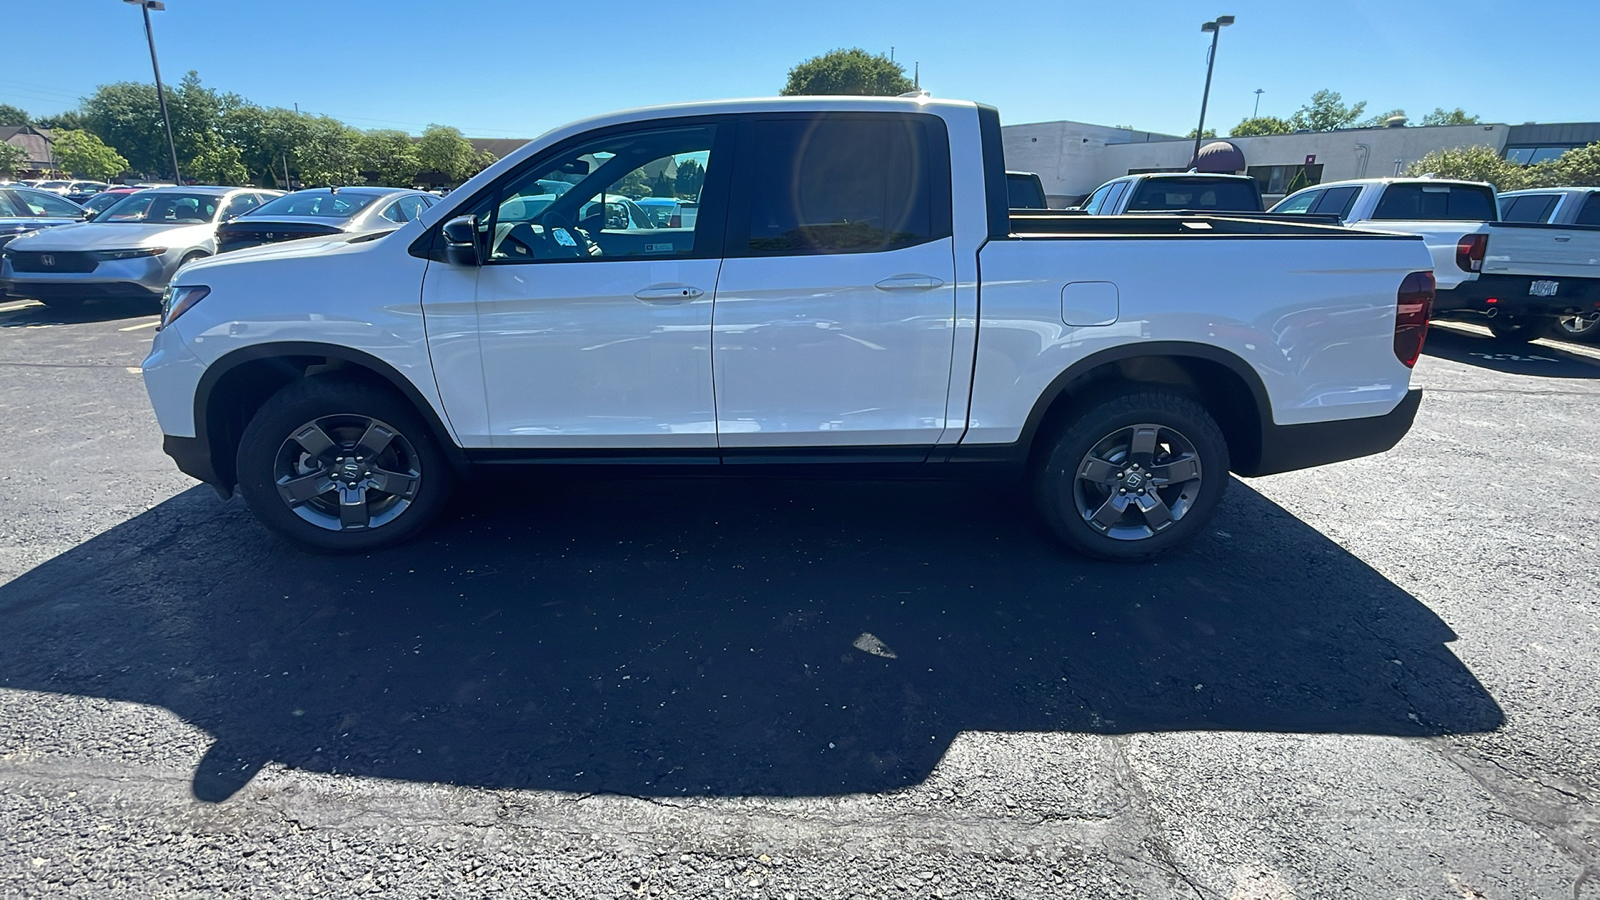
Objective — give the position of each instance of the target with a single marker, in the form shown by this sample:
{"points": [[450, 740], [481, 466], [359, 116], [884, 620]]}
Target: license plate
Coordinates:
{"points": [[1543, 288]]}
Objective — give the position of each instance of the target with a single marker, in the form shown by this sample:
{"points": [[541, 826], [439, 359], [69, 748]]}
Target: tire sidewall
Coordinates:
{"points": [[1054, 480], [314, 398]]}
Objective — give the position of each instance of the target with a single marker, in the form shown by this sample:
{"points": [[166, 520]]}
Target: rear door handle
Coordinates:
{"points": [[1563, 238], [909, 283], [670, 292]]}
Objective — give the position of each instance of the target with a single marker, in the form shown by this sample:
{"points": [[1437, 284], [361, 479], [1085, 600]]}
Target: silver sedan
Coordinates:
{"points": [[129, 251]]}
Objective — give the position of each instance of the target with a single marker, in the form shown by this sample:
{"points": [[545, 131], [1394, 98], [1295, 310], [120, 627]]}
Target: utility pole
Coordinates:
{"points": [[916, 78], [1214, 28], [161, 93], [1257, 111]]}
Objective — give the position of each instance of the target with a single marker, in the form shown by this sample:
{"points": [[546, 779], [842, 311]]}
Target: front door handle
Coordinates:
{"points": [[670, 292], [909, 283]]}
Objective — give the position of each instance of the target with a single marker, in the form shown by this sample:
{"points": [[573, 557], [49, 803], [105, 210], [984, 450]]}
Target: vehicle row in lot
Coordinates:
{"points": [[24, 210]]}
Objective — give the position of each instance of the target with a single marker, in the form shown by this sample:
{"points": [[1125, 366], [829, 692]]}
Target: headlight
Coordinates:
{"points": [[129, 254], [179, 299]]}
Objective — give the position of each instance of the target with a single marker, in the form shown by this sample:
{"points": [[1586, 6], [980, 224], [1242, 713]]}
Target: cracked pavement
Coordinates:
{"points": [[1371, 679]]}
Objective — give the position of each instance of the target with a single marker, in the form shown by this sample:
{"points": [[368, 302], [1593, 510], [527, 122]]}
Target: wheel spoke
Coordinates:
{"points": [[1110, 511], [315, 441], [1143, 448], [1098, 470], [353, 507], [1177, 471], [376, 438], [400, 484], [1156, 513], [296, 491]]}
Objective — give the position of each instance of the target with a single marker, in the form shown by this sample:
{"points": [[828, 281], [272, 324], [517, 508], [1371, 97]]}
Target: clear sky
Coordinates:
{"points": [[496, 68]]}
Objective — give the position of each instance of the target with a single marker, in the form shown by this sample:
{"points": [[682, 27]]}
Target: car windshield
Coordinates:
{"points": [[49, 185], [658, 213], [322, 204], [1196, 193], [99, 202], [175, 208]]}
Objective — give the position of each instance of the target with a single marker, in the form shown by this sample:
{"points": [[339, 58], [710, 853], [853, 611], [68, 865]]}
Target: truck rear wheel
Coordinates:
{"points": [[1578, 328], [343, 467], [1136, 475]]}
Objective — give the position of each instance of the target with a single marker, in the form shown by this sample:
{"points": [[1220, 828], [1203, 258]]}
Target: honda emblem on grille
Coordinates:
{"points": [[47, 260]]}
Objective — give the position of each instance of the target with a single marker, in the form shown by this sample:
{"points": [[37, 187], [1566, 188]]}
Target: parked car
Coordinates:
{"points": [[1160, 192], [827, 313], [1025, 190], [321, 212], [102, 201], [25, 210], [1572, 207], [54, 186], [129, 251], [663, 210], [79, 191], [1517, 278]]}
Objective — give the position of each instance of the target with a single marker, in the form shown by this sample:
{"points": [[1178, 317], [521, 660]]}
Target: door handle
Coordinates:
{"points": [[909, 283], [670, 292], [1563, 238]]}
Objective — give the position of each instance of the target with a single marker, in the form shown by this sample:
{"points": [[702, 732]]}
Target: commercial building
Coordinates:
{"points": [[1073, 158]]}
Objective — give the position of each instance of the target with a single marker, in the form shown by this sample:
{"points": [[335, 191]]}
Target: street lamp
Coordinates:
{"points": [[1214, 29], [1257, 111], [161, 94]]}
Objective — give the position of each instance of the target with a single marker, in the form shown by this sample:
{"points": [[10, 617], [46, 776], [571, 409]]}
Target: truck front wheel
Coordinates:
{"points": [[1136, 475], [340, 466]]}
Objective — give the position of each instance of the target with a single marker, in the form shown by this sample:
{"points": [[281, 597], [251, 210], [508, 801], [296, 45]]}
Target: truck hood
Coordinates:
{"points": [[297, 249], [115, 236]]}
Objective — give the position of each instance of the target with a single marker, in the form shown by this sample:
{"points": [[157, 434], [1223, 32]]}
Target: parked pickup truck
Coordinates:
{"points": [[1517, 278], [1175, 191], [857, 295], [1568, 207]]}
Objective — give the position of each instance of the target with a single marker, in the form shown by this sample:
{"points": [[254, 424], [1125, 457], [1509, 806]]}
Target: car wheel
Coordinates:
{"points": [[1136, 475], [1578, 328], [343, 467], [1520, 330]]}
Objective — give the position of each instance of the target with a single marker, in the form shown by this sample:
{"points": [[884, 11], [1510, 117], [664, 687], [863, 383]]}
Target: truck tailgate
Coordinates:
{"points": [[1554, 251]]}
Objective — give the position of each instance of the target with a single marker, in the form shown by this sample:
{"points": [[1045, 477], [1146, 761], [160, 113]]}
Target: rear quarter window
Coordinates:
{"points": [[1590, 214], [1530, 208], [1180, 193], [1456, 202]]}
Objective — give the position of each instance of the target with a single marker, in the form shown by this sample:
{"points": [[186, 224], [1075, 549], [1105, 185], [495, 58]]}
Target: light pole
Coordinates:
{"points": [[161, 94], [1257, 111], [1214, 29]]}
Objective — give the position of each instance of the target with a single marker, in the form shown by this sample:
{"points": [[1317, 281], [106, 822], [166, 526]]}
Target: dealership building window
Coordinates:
{"points": [[1285, 179], [1528, 156]]}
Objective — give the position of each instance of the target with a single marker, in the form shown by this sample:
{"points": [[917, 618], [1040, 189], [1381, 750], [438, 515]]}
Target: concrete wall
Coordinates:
{"points": [[1065, 155]]}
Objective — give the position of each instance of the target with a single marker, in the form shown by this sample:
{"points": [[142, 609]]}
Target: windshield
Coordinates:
{"points": [[173, 208], [322, 204]]}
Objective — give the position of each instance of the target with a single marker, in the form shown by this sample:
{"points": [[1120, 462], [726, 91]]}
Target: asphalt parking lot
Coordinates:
{"points": [[1375, 679]]}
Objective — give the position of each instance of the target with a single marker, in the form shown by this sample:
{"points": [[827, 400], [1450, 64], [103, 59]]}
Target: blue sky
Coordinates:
{"points": [[514, 69]]}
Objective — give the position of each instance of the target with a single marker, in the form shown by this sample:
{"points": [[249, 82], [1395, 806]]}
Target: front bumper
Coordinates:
{"points": [[1285, 448], [144, 279], [1509, 295]]}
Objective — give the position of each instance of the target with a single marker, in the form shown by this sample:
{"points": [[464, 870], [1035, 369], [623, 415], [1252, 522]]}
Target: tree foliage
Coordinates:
{"points": [[1480, 163], [219, 162], [327, 152], [1326, 111], [12, 159], [1381, 119], [12, 115], [443, 149], [85, 155], [1441, 116], [853, 72], [691, 177], [1210, 133], [71, 120], [1259, 125], [389, 157]]}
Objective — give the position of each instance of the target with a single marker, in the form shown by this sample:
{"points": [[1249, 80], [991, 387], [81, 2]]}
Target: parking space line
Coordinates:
{"points": [[150, 324]]}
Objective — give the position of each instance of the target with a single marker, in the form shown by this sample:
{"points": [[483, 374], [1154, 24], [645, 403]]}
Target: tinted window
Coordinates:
{"points": [[241, 204], [1436, 201], [1336, 201], [1025, 191], [1097, 200], [412, 206], [40, 203], [1299, 203], [1195, 193], [1530, 208], [841, 184], [323, 204], [1590, 213], [167, 208], [1114, 197]]}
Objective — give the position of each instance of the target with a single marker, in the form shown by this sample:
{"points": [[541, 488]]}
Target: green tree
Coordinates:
{"points": [[389, 157], [1210, 133], [633, 185], [12, 159], [218, 162], [328, 152], [691, 177], [1441, 116], [1578, 167], [853, 72], [127, 116], [1260, 125], [1325, 112], [482, 160], [11, 115], [444, 149], [71, 120], [1477, 163], [1381, 119], [85, 155]]}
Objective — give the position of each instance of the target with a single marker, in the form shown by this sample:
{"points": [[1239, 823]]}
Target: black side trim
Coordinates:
{"points": [[731, 458], [193, 456], [996, 194], [1288, 447]]}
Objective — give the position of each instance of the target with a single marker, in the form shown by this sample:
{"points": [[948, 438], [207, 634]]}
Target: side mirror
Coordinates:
{"points": [[89, 214], [461, 241]]}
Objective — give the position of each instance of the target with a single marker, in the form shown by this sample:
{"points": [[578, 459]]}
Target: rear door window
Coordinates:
{"points": [[1454, 202], [1298, 203], [1529, 208], [840, 183], [1114, 198], [1097, 200], [1336, 201], [1590, 213]]}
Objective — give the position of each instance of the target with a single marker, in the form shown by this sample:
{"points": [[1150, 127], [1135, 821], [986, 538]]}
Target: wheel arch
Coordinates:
{"points": [[1222, 382], [235, 386]]}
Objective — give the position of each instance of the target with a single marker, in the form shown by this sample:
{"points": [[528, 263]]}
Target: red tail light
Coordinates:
{"points": [[675, 221], [1470, 250], [1415, 304]]}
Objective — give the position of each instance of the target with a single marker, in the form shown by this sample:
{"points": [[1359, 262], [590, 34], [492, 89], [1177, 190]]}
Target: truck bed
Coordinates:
{"points": [[1025, 223]]}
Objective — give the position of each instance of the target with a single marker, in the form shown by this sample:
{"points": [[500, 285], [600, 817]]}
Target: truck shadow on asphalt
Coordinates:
{"points": [[1511, 357], [719, 637]]}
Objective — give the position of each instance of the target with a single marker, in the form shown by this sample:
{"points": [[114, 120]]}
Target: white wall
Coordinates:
{"points": [[1065, 155]]}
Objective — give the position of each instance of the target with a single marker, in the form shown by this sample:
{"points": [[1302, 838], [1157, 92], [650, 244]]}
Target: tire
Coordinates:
{"points": [[311, 435], [1522, 331], [1096, 462], [1578, 328]]}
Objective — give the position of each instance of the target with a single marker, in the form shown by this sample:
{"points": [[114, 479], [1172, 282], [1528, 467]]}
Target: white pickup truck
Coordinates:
{"points": [[854, 292], [1518, 278], [1569, 208]]}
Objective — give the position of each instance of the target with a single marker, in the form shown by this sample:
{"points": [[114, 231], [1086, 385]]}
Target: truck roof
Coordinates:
{"points": [[1414, 179]]}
